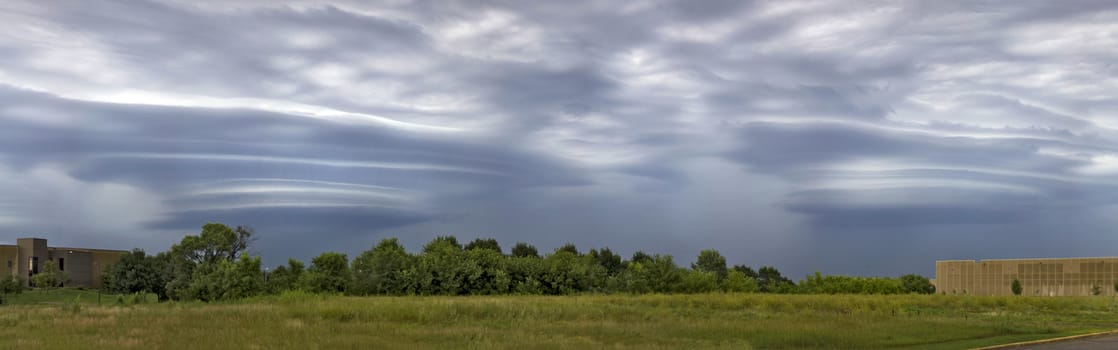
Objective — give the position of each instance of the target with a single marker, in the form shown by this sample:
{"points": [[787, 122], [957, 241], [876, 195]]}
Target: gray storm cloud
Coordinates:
{"points": [[847, 137]]}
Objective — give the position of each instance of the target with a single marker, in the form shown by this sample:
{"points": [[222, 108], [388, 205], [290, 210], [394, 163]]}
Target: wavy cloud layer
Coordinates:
{"points": [[849, 137]]}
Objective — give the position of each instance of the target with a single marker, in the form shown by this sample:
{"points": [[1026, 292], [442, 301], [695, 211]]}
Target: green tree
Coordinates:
{"points": [[662, 274], [285, 278], [522, 250], [650, 274], [485, 272], [746, 271], [136, 272], [712, 261], [441, 269], [833, 284], [11, 285], [216, 242], [245, 235], [738, 282], [698, 281], [226, 280], [381, 270], [913, 283], [607, 260], [50, 277], [640, 257], [487, 243], [569, 247], [567, 273], [329, 273], [634, 279], [1016, 287], [203, 254], [442, 242], [770, 280], [525, 273]]}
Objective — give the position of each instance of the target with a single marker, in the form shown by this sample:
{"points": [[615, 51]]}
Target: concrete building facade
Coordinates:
{"points": [[84, 266], [1043, 277]]}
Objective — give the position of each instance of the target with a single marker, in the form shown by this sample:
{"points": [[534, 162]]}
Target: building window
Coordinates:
{"points": [[9, 264], [32, 267], [61, 264]]}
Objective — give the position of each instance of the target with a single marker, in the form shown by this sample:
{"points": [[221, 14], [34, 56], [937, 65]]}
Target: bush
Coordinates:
{"points": [[225, 280], [698, 282], [50, 277], [329, 273], [831, 284], [11, 285], [381, 270], [738, 282], [566, 273], [284, 278], [916, 284], [136, 272], [214, 265], [653, 274], [524, 274]]}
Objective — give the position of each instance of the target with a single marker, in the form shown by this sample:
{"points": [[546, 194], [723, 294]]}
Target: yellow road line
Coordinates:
{"points": [[1045, 341]]}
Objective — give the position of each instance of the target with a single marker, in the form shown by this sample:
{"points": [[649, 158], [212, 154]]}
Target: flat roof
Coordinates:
{"points": [[88, 249], [1027, 259], [67, 248]]}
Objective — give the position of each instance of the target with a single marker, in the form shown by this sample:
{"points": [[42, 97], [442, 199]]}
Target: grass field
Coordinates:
{"points": [[71, 295], [728, 321]]}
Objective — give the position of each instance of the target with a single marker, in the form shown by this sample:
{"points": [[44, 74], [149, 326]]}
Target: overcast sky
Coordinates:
{"points": [[861, 137]]}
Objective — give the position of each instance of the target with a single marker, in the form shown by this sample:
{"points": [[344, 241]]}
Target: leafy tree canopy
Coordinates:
{"points": [[522, 249], [486, 243]]}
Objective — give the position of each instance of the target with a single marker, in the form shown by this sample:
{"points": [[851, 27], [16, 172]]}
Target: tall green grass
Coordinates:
{"points": [[74, 295], [730, 321]]}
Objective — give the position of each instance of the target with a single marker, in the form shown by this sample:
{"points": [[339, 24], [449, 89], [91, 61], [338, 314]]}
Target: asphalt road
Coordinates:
{"points": [[1107, 342]]}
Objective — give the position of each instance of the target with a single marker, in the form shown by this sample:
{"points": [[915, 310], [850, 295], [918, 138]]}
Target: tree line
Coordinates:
{"points": [[215, 265]]}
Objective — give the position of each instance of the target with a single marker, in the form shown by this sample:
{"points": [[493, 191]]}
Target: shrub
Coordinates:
{"points": [[738, 282], [50, 277], [913, 283], [698, 282], [11, 285], [329, 273]]}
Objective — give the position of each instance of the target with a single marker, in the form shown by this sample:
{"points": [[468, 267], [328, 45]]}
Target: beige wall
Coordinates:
{"points": [[76, 263], [31, 248], [84, 266], [1046, 277], [100, 261], [9, 260]]}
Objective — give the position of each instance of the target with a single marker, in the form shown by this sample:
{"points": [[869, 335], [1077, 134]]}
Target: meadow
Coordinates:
{"points": [[62, 296], [727, 321]]}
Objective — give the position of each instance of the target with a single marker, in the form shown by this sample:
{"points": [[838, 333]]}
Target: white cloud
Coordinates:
{"points": [[436, 107]]}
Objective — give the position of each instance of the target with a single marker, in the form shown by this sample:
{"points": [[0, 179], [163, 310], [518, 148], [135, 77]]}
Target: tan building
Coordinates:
{"points": [[83, 265], [1047, 277]]}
